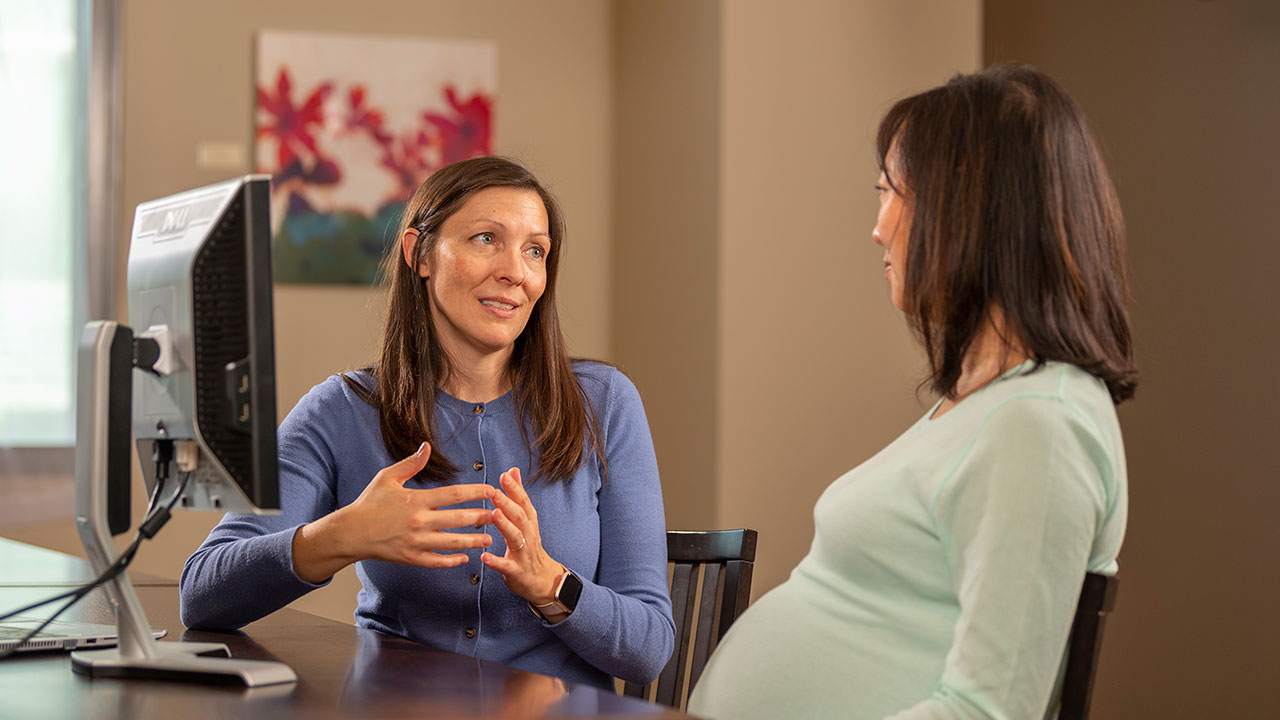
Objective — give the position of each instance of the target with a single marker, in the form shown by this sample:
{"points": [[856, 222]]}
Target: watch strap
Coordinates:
{"points": [[556, 606]]}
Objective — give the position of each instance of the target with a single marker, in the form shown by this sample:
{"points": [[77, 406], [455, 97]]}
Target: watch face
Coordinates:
{"points": [[570, 590]]}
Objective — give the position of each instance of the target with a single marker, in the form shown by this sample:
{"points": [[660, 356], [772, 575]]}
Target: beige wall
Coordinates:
{"points": [[1184, 96], [667, 234]]}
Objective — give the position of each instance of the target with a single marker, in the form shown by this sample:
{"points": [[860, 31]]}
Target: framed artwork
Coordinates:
{"points": [[348, 126]]}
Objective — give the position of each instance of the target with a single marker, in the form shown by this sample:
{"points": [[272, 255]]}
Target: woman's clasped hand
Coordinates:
{"points": [[397, 524]]}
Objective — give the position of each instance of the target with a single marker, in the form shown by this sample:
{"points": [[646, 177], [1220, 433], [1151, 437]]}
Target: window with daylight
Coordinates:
{"points": [[57, 216]]}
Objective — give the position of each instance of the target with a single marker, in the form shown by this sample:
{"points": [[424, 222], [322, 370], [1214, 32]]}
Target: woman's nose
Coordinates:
{"points": [[875, 236], [510, 267]]}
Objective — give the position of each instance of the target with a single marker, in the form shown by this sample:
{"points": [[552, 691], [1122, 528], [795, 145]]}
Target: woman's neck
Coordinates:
{"points": [[994, 351], [478, 378]]}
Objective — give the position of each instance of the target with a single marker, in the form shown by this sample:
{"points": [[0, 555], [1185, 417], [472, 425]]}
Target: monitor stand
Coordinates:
{"points": [[105, 363]]}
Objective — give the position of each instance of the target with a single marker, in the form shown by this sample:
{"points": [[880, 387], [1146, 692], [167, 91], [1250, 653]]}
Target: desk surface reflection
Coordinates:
{"points": [[343, 671]]}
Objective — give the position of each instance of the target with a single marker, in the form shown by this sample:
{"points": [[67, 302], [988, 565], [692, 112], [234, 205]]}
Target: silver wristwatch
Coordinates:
{"points": [[568, 590]]}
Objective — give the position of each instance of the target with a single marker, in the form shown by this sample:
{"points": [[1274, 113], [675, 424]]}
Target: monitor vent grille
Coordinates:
{"points": [[220, 304]]}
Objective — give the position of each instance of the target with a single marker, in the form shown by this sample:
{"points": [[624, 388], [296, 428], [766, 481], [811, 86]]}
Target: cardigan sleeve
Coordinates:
{"points": [[622, 623], [1017, 517], [244, 570]]}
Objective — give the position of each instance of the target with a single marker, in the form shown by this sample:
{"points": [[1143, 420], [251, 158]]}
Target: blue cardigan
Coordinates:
{"points": [[612, 535]]}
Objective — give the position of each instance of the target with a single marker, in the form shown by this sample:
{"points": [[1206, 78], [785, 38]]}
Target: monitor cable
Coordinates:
{"points": [[158, 513]]}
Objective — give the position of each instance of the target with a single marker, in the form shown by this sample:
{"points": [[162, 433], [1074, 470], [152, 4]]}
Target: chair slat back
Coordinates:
{"points": [[683, 597], [1097, 598], [709, 614], [710, 571]]}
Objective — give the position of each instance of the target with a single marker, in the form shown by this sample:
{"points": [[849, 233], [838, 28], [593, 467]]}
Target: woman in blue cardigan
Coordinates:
{"points": [[498, 499], [944, 571]]}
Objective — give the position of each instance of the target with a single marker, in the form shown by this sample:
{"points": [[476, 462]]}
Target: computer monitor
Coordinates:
{"points": [[200, 285], [193, 382]]}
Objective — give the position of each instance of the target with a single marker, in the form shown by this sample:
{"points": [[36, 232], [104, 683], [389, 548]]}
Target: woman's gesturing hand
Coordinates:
{"points": [[392, 523], [526, 568]]}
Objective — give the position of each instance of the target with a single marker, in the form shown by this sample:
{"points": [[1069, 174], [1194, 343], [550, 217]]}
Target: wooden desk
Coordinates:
{"points": [[343, 671]]}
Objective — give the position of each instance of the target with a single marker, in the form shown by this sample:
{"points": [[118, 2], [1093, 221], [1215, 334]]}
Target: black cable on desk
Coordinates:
{"points": [[151, 524]]}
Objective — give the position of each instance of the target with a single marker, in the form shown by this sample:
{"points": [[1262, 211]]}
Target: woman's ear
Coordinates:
{"points": [[409, 245]]}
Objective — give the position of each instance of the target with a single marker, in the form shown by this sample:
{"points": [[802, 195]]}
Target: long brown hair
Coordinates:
{"points": [[1011, 208], [413, 364]]}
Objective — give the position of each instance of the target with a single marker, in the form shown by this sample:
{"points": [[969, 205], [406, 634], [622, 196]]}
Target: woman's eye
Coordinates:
{"points": [[537, 253], [485, 238], [881, 189]]}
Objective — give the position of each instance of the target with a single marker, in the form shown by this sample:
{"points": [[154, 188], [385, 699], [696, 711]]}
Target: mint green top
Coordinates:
{"points": [[944, 571]]}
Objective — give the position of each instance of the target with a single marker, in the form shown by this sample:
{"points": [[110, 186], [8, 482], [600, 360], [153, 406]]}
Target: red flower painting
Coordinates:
{"points": [[465, 132], [291, 126], [363, 117], [348, 126]]}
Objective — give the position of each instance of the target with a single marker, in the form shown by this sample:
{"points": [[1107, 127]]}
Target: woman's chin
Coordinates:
{"points": [[896, 300]]}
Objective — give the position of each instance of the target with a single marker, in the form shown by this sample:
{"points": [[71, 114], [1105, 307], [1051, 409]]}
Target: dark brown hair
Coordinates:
{"points": [[413, 364], [1011, 208]]}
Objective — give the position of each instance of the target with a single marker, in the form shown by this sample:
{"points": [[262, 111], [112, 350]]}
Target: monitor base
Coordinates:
{"points": [[103, 405], [185, 662]]}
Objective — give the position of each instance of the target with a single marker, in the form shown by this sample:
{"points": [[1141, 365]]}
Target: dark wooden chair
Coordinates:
{"points": [[1097, 598], [719, 563]]}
